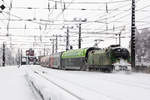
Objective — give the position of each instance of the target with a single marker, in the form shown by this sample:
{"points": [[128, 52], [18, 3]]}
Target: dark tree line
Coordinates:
{"points": [[142, 47], [10, 59]]}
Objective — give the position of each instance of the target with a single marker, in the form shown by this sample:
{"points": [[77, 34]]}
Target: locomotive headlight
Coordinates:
{"points": [[129, 67], [117, 67]]}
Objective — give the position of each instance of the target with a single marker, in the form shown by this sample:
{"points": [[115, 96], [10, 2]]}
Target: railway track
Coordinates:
{"points": [[124, 81], [61, 87], [93, 85], [75, 84], [116, 80]]}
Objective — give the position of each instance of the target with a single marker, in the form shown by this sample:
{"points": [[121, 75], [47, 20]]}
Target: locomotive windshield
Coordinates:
{"points": [[120, 53]]}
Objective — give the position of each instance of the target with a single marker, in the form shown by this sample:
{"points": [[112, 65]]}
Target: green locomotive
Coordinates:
{"points": [[112, 58]]}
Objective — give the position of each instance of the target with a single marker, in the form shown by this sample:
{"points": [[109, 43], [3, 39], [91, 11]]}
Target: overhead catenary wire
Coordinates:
{"points": [[91, 2], [29, 8], [37, 22], [118, 18], [82, 9], [126, 15], [113, 16]]}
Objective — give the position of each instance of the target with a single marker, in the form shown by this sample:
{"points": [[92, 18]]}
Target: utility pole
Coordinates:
{"points": [[19, 57], [44, 50], [133, 35], [20, 63], [80, 20], [67, 39], [79, 45], [119, 35], [119, 39], [3, 63], [2, 7], [56, 43], [52, 45]]}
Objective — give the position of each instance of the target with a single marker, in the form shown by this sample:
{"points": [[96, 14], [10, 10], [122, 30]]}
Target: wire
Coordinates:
{"points": [[117, 13], [83, 9], [144, 28], [2, 20], [48, 36], [127, 14], [56, 17], [110, 2], [29, 20]]}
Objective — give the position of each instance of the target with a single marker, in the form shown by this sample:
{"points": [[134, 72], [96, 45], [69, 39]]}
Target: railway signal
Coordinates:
{"points": [[2, 7]]}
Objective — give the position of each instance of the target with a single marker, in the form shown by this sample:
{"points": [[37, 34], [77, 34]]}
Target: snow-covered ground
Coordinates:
{"points": [[52, 84], [13, 85], [64, 85]]}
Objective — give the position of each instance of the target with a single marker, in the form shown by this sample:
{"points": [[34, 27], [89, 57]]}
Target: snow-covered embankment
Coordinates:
{"points": [[46, 90]]}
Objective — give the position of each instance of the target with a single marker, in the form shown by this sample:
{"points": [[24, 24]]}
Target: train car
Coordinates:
{"points": [[44, 61], [76, 59], [55, 60]]}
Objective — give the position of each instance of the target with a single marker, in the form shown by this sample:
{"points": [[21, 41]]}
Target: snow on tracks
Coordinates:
{"points": [[49, 90], [100, 86], [13, 85]]}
